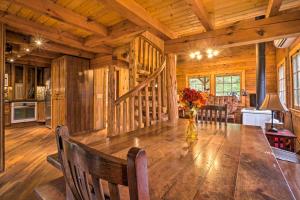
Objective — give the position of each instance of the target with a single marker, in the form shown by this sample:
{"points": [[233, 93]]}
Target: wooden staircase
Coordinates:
{"points": [[146, 103]]}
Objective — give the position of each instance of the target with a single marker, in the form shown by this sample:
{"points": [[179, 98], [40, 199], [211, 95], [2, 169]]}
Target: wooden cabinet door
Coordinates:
{"points": [[41, 111]]}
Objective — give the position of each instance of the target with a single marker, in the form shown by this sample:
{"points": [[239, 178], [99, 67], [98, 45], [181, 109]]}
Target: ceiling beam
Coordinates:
{"points": [[115, 32], [54, 47], [51, 9], [44, 54], [273, 8], [198, 8], [49, 33], [17, 38], [138, 15], [241, 33]]}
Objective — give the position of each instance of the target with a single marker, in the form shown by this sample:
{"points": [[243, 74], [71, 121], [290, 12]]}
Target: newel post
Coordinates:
{"points": [[172, 87], [111, 101]]}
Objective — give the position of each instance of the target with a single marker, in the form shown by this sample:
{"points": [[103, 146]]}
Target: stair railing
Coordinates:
{"points": [[144, 104]]}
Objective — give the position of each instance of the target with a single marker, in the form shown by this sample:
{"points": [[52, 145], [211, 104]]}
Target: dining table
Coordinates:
{"points": [[232, 161]]}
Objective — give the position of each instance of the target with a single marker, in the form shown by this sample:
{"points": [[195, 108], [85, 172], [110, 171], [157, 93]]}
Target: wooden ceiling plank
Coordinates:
{"points": [[198, 8], [119, 30], [273, 8], [51, 9], [242, 33], [32, 28], [138, 15]]}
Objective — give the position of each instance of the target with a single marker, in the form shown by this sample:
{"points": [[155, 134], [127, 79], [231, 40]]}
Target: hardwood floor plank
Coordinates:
{"points": [[26, 164]]}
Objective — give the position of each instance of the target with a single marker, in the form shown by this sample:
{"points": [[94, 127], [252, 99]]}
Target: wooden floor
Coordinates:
{"points": [[26, 166]]}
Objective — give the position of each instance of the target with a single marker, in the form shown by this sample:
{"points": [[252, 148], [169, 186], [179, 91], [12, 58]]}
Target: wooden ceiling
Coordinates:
{"points": [[86, 28]]}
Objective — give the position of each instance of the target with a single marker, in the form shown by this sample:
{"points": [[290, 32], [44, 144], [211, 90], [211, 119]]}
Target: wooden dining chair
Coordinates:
{"points": [[212, 113], [85, 169]]}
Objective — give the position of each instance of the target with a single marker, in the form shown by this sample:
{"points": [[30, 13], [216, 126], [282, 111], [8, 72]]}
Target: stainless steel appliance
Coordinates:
{"points": [[23, 112], [48, 108]]}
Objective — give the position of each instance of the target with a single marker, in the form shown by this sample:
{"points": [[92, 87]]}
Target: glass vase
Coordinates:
{"points": [[191, 131]]}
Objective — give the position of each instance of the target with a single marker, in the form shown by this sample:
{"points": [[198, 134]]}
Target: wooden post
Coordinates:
{"points": [[2, 72], [172, 88], [111, 101]]}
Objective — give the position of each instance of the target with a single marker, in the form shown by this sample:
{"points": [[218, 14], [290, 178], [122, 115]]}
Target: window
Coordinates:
{"points": [[281, 84], [296, 79], [200, 83], [228, 85]]}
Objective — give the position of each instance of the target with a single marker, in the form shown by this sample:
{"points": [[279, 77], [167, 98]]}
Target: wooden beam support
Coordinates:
{"points": [[134, 12], [45, 54], [35, 59], [172, 88], [32, 28], [115, 32], [51, 9], [33, 63], [2, 72], [273, 8], [198, 8], [242, 33], [111, 101], [54, 47]]}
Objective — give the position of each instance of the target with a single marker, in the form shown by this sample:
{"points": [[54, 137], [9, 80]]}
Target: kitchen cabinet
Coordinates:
{"points": [[41, 111]]}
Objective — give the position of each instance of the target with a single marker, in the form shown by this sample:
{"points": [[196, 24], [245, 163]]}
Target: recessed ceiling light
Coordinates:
{"points": [[11, 60], [27, 49], [19, 56]]}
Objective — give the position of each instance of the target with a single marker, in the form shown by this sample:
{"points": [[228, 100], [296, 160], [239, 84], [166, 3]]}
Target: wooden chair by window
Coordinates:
{"points": [[85, 169], [212, 113]]}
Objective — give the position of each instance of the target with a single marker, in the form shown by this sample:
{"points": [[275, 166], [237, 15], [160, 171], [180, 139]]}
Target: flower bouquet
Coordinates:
{"points": [[191, 100]]}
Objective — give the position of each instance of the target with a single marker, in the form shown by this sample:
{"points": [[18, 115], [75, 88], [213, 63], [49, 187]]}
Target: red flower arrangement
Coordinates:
{"points": [[192, 99]]}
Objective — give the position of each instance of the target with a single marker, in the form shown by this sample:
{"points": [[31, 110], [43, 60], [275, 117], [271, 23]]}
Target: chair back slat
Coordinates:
{"points": [[84, 168], [212, 113]]}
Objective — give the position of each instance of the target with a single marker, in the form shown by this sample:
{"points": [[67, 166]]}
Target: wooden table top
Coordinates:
{"points": [[226, 162]]}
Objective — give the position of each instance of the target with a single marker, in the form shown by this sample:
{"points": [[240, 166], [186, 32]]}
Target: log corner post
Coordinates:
{"points": [[111, 101], [2, 72], [172, 87]]}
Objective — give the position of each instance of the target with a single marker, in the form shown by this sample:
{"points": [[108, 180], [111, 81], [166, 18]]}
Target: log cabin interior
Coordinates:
{"points": [[149, 99]]}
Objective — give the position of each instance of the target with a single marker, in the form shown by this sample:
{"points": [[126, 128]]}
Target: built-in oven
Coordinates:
{"points": [[23, 112]]}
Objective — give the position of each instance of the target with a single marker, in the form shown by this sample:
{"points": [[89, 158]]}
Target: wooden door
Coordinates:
{"points": [[79, 95]]}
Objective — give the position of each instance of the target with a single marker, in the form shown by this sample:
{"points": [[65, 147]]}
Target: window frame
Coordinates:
{"points": [[297, 52], [228, 74], [199, 76], [282, 64]]}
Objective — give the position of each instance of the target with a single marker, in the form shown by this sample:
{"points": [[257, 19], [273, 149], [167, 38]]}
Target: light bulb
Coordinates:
{"points": [[192, 55], [38, 42], [199, 56], [209, 51], [27, 49], [216, 52], [11, 60], [197, 52], [209, 55]]}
